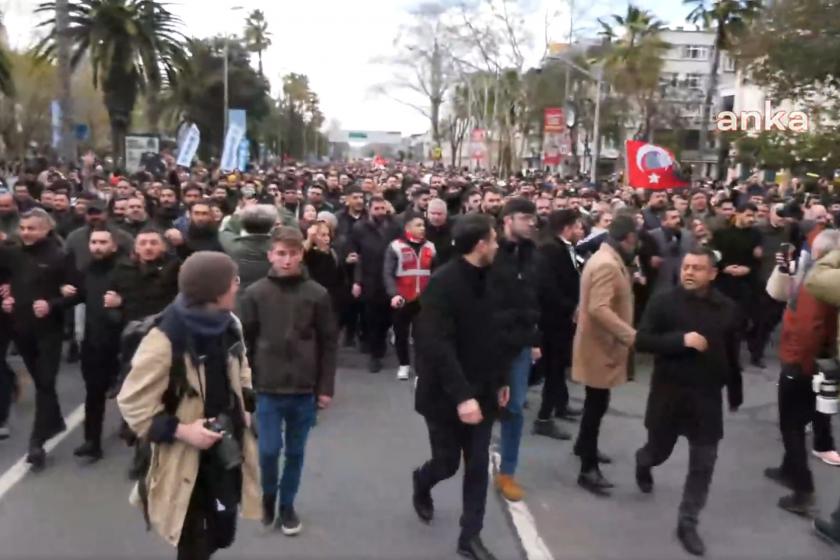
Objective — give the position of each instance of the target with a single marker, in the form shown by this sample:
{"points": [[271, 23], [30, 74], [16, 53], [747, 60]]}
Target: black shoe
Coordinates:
{"points": [[422, 500], [37, 458], [595, 482], [758, 363], [691, 541], [375, 365], [827, 531], [269, 505], [644, 478], [570, 413], [90, 450], [289, 522], [799, 503], [778, 475], [548, 428], [474, 549], [73, 353]]}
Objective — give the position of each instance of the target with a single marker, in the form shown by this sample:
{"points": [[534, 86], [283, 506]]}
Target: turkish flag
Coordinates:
{"points": [[652, 167]]}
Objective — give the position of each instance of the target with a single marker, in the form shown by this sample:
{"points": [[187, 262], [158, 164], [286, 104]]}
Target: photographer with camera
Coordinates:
{"points": [[809, 331], [824, 283], [189, 394]]}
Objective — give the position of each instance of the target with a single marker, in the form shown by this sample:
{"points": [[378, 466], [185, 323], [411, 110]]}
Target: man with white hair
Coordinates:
{"points": [[809, 326], [439, 229]]}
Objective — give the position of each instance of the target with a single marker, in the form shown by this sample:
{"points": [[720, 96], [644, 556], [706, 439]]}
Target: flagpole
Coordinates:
{"points": [[596, 152]]}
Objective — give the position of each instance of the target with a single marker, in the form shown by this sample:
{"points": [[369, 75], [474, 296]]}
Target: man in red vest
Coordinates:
{"points": [[408, 267]]}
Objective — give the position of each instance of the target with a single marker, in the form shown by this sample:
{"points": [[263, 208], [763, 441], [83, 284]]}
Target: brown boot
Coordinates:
{"points": [[509, 488]]}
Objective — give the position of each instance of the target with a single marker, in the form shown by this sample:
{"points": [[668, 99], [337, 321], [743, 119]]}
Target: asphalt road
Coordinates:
{"points": [[355, 496]]}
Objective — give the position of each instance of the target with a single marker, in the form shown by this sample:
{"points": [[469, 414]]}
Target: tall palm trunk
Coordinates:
{"points": [[707, 139], [67, 149]]}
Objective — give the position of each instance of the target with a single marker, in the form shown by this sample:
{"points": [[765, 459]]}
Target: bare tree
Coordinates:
{"points": [[423, 67]]}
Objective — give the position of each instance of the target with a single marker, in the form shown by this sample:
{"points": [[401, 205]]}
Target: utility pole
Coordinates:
{"points": [[571, 32], [67, 144]]}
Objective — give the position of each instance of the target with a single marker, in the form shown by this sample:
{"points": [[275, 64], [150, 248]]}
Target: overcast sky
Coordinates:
{"points": [[335, 41]]}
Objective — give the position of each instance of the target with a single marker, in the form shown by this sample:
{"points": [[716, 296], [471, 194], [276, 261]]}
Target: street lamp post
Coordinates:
{"points": [[226, 77], [598, 77]]}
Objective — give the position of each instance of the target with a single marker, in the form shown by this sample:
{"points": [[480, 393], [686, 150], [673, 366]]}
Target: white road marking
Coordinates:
{"points": [[523, 522], [19, 470]]}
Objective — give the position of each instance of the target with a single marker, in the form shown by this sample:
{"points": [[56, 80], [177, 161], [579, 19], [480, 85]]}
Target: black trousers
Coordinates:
{"points": [[766, 317], [797, 407], [8, 381], [823, 438], [351, 318], [377, 321], [595, 405], [403, 325], [41, 353], [557, 354], [702, 457], [205, 530], [100, 367], [449, 441]]}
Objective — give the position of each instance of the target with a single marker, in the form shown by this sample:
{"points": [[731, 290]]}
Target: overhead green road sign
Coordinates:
{"points": [[357, 135]]}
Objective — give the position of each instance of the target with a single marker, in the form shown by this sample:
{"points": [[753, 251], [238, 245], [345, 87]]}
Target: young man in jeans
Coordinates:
{"points": [[290, 327]]}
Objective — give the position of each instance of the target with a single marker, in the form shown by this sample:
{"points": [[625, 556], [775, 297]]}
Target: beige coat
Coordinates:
{"points": [[174, 467], [823, 282], [604, 332]]}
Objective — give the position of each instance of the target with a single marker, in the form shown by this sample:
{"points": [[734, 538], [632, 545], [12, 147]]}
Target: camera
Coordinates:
{"points": [[825, 384], [226, 451]]}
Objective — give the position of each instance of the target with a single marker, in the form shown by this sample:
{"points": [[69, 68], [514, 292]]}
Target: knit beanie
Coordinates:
{"points": [[518, 206], [205, 276]]}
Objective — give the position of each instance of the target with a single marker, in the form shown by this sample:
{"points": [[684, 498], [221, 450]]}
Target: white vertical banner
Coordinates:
{"points": [[189, 146], [230, 155]]}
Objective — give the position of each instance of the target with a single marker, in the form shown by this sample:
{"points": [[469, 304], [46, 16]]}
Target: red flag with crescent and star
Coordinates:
{"points": [[652, 167]]}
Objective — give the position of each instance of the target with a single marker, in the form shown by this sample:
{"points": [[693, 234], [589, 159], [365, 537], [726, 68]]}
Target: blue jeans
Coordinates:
{"points": [[297, 412], [513, 421]]}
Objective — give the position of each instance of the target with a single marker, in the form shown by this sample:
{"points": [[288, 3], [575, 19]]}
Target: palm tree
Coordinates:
{"points": [[128, 42], [634, 59], [729, 18], [257, 35], [7, 85]]}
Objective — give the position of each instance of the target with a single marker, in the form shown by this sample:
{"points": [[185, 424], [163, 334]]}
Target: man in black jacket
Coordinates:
{"points": [[439, 230], [202, 233], [37, 270], [461, 381], [693, 332], [101, 343], [559, 269], [369, 240], [146, 283], [346, 218], [516, 313]]}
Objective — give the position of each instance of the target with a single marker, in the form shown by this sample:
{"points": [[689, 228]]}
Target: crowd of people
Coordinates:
{"points": [[243, 286]]}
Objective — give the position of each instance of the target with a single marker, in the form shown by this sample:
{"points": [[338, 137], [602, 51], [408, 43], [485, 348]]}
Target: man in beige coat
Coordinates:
{"points": [[190, 381], [603, 340]]}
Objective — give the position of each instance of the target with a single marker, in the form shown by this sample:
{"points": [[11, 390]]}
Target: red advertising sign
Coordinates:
{"points": [[554, 120], [477, 148], [556, 141]]}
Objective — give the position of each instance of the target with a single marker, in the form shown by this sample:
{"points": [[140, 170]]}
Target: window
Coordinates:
{"points": [[695, 52], [728, 64], [694, 80], [668, 79]]}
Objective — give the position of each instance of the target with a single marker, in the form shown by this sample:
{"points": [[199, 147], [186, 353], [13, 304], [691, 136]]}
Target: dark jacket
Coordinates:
{"points": [[325, 269], [102, 326], [250, 253], [343, 231], [199, 240], [291, 331], [771, 240], [441, 236], [652, 219], [456, 350], [736, 246], [36, 272], [558, 288], [513, 289], [146, 288], [371, 241], [66, 222], [685, 391], [671, 247]]}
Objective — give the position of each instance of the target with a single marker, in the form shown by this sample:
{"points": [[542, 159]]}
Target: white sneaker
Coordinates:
{"points": [[828, 457], [402, 373]]}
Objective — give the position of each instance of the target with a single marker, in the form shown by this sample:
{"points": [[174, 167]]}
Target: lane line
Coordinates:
{"points": [[19, 470], [523, 521]]}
